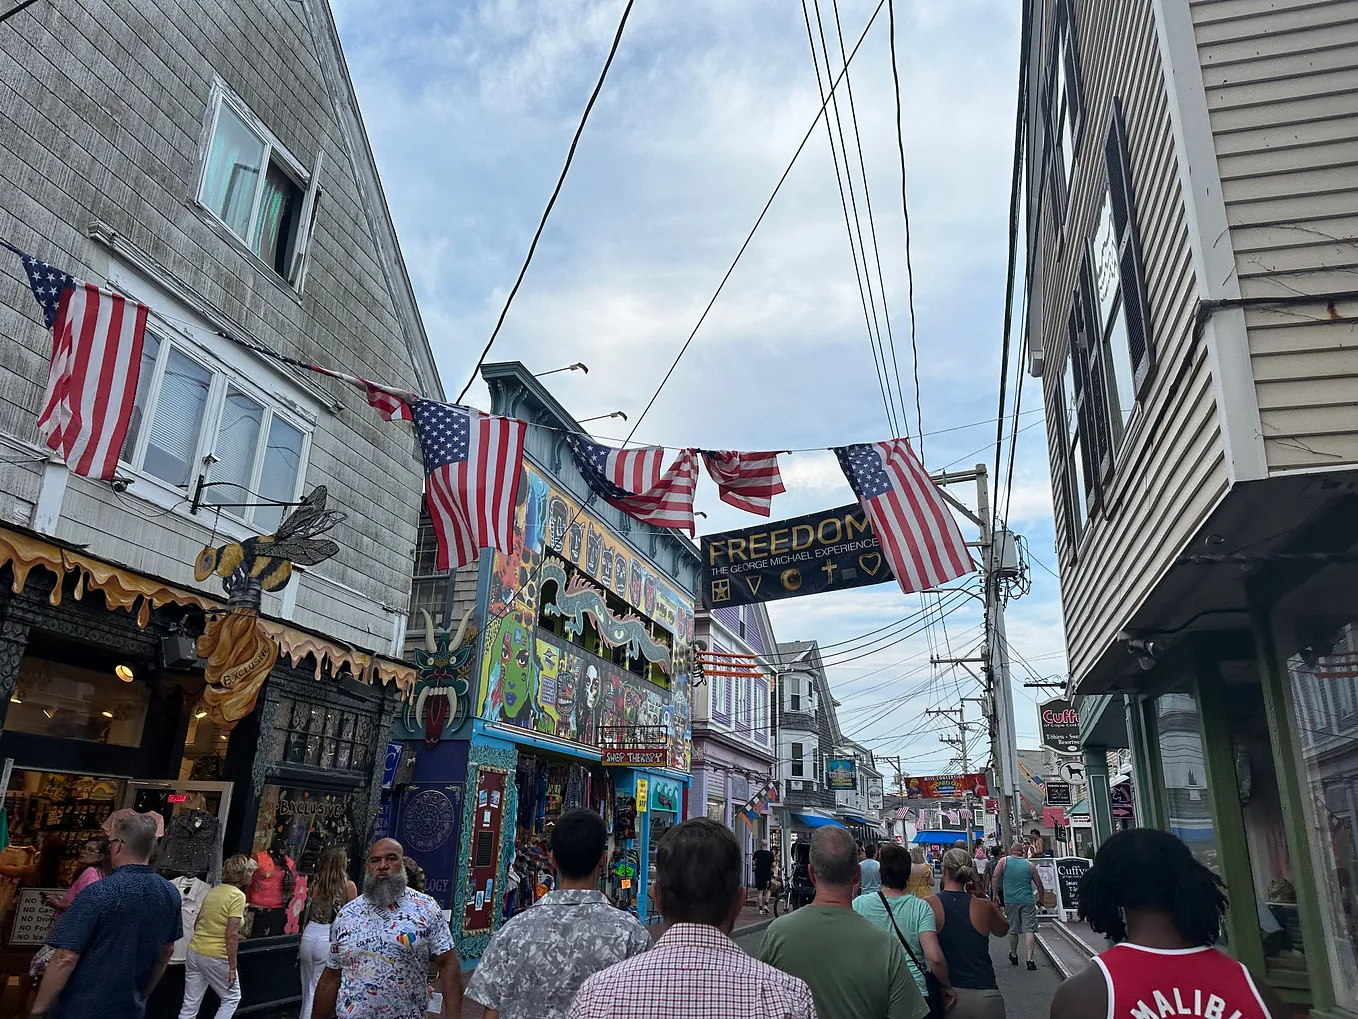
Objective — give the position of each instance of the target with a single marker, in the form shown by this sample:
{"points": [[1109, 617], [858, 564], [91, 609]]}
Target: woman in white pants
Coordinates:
{"points": [[211, 958], [328, 890]]}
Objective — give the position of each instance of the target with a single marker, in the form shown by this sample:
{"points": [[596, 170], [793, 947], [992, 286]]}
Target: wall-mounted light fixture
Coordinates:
{"points": [[124, 672], [600, 417], [579, 366]]}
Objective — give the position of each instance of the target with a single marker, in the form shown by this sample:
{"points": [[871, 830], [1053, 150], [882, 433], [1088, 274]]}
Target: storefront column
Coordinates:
{"points": [[1280, 710], [1100, 794], [1145, 764], [13, 640]]}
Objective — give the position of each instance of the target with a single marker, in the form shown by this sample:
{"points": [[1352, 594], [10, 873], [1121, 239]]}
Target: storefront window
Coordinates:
{"points": [[1183, 761], [205, 746], [292, 827], [55, 699], [322, 737], [1323, 675]]}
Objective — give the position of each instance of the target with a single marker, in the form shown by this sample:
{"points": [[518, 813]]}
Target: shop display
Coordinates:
{"points": [[73, 808]]}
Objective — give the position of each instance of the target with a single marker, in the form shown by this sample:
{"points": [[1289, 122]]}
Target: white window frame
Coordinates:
{"points": [[307, 182], [797, 759], [221, 381]]}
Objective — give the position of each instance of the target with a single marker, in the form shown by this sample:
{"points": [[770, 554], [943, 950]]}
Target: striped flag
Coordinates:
{"points": [[97, 339], [918, 535], [663, 501], [472, 463], [747, 481], [392, 404]]}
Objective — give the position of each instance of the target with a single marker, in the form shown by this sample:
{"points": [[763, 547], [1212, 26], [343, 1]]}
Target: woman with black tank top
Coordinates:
{"points": [[965, 925]]}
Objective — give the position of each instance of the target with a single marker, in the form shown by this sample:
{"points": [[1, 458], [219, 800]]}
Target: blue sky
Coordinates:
{"points": [[470, 108]]}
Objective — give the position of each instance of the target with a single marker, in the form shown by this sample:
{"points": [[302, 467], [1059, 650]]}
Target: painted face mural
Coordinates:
{"points": [[594, 543], [557, 518], [537, 681]]}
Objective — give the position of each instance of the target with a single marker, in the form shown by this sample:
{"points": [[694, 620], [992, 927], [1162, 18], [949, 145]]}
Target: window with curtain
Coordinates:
{"points": [[248, 186], [188, 420]]}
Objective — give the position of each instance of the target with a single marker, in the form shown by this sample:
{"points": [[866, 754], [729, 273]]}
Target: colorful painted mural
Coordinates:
{"points": [[440, 704], [545, 683]]}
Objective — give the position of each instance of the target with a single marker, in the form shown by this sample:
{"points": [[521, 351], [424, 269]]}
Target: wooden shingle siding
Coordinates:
{"points": [[1149, 512], [1282, 92], [103, 117]]}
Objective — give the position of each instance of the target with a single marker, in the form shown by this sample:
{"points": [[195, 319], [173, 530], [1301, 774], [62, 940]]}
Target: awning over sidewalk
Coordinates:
{"points": [[816, 821], [944, 838]]}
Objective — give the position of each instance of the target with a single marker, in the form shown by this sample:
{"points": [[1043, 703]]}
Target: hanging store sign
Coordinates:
{"points": [[627, 757], [946, 787], [1059, 723], [1058, 794], [828, 551], [842, 773], [1124, 806]]}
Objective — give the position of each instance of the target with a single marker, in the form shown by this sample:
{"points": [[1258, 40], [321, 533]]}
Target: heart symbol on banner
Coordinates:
{"points": [[875, 558]]}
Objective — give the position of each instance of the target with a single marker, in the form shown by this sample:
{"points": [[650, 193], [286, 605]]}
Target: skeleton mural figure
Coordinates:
{"points": [[588, 718], [594, 543], [620, 574], [557, 519], [568, 697], [631, 705], [606, 568]]}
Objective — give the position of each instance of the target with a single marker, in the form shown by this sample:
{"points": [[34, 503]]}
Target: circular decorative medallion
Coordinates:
{"points": [[428, 820]]}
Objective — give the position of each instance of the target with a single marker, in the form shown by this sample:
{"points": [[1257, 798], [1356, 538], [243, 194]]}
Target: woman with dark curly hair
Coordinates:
{"points": [[1148, 892]]}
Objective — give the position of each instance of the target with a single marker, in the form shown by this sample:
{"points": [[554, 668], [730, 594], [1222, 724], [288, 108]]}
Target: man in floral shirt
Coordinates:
{"points": [[536, 962], [380, 947]]}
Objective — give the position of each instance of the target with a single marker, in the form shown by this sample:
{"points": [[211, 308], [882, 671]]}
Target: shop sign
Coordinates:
{"points": [[946, 787], [1070, 871], [634, 756], [301, 823], [1081, 820], [992, 806], [33, 917], [1124, 806], [1059, 723], [643, 795], [1058, 794], [665, 796], [828, 551], [842, 773]]}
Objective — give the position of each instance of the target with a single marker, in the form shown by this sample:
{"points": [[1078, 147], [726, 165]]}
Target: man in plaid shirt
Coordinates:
{"points": [[695, 971]]}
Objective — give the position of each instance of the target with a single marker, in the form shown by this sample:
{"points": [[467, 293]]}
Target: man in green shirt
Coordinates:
{"points": [[854, 970]]}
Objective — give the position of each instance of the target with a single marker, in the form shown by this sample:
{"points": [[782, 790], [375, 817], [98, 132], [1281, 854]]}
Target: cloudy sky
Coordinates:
{"points": [[471, 107]]}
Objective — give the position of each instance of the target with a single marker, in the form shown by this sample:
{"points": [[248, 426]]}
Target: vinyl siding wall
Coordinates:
{"points": [[1170, 470], [105, 108], [1282, 90]]}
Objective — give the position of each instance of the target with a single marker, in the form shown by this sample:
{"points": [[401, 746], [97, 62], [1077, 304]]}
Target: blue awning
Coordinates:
{"points": [[944, 838], [860, 820], [813, 821], [1193, 831]]}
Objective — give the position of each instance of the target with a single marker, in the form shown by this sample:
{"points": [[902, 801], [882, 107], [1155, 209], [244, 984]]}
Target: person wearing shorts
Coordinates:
{"points": [[763, 875], [1018, 883]]}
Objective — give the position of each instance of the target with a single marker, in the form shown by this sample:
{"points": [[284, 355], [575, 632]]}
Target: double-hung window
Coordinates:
{"points": [[191, 421], [1065, 102], [798, 762], [257, 189]]}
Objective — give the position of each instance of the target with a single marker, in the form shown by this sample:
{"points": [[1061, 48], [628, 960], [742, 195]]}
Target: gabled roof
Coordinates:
{"points": [[803, 655], [340, 87]]}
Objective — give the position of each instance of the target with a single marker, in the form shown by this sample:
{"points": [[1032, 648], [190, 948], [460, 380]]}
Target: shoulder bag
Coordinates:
{"points": [[934, 997]]}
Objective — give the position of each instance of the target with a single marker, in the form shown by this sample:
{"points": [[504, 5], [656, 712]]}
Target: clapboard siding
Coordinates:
{"points": [[1170, 470], [1282, 93], [104, 109]]}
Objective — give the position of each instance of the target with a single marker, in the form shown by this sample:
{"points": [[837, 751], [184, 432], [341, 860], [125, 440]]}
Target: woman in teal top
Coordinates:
{"points": [[914, 918]]}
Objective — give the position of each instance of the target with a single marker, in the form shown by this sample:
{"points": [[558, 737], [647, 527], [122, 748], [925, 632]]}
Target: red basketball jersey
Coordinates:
{"points": [[1156, 983]]}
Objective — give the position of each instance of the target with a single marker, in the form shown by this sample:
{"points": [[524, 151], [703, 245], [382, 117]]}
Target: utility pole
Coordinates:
{"points": [[995, 664]]}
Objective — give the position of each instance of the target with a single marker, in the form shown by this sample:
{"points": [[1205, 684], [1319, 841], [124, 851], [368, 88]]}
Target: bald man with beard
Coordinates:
{"points": [[380, 947]]}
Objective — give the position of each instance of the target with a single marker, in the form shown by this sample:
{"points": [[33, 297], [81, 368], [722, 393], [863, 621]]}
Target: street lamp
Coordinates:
{"points": [[578, 366], [600, 417]]}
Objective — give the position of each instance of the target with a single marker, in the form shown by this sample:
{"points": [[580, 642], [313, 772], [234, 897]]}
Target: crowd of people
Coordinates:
{"points": [[877, 941]]}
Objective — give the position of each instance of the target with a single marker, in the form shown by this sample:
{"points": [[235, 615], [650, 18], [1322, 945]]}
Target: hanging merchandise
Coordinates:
{"points": [[624, 818]]}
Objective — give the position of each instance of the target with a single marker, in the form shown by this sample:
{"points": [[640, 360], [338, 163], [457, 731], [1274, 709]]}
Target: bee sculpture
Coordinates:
{"points": [[265, 562]]}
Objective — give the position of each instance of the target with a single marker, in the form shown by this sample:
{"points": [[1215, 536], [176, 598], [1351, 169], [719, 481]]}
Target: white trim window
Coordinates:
{"points": [[256, 188], [190, 420], [1065, 102]]}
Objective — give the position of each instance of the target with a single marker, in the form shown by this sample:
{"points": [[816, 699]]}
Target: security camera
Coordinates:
{"points": [[119, 485]]}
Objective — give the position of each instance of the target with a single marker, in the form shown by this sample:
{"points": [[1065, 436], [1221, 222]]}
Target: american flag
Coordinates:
{"points": [[97, 339], [391, 403], [747, 481], [919, 537], [663, 501], [472, 464]]}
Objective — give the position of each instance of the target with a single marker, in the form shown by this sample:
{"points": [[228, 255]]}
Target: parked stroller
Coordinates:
{"points": [[800, 889]]}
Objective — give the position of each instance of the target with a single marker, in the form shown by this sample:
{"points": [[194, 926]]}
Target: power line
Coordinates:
{"points": [[1014, 189], [864, 296], [551, 202], [767, 205], [905, 210]]}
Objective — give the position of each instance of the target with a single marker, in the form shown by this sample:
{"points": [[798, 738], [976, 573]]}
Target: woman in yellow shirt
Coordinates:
{"points": [[921, 881], [211, 959]]}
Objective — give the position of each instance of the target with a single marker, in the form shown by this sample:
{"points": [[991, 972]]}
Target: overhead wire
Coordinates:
{"points": [[905, 212], [551, 202], [864, 294]]}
